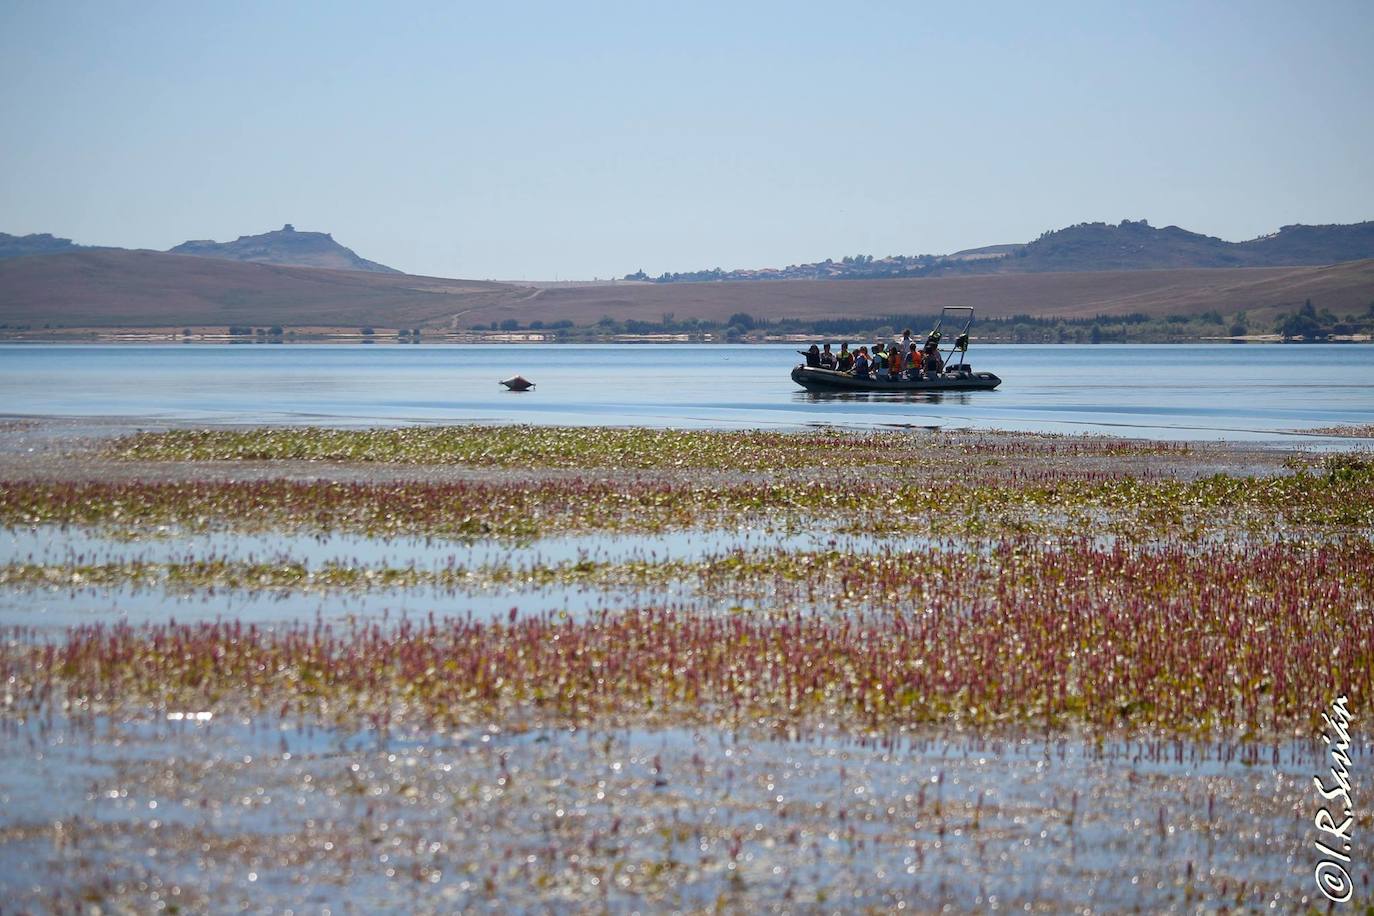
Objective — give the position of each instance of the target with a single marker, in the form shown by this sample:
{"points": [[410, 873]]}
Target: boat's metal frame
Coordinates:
{"points": [[960, 342], [955, 376]]}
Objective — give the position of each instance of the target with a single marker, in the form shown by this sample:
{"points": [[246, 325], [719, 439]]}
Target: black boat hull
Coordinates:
{"points": [[828, 380]]}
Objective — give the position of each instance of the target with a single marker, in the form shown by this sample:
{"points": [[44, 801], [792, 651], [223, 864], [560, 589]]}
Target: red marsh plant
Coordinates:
{"points": [[1238, 642]]}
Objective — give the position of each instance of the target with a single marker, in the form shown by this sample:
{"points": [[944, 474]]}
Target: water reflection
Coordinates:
{"points": [[880, 397]]}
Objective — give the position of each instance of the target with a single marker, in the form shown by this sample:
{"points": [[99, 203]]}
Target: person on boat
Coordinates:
{"points": [[896, 362], [913, 359], [827, 358], [931, 360], [845, 361], [861, 363], [813, 357], [879, 360], [906, 340]]}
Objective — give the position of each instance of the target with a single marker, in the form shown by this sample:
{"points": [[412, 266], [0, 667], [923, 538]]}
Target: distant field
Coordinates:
{"points": [[139, 289], [1262, 291]]}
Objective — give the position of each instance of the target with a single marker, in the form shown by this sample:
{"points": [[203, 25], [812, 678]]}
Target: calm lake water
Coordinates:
{"points": [[1258, 392]]}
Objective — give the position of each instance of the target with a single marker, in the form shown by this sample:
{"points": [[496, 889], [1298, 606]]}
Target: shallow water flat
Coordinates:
{"points": [[71, 544], [267, 812], [1238, 392], [61, 606], [54, 610]]}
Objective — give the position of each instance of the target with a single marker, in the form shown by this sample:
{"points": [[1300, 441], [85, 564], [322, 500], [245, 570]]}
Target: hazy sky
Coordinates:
{"points": [[572, 140]]}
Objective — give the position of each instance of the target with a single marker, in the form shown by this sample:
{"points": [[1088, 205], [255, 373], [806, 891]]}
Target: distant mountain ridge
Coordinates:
{"points": [[1085, 247], [285, 247]]}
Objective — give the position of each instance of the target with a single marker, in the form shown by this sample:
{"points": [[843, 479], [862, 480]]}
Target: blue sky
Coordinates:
{"points": [[573, 140]]}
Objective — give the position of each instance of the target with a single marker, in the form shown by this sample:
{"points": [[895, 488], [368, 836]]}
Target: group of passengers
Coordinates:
{"points": [[893, 362]]}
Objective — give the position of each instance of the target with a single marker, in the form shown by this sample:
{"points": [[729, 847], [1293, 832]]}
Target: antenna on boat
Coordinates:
{"points": [[960, 344]]}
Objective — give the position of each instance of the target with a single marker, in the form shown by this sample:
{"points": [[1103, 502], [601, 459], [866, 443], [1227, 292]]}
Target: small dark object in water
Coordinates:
{"points": [[517, 383]]}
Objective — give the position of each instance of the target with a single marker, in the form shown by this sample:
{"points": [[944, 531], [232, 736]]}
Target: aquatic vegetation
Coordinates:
{"points": [[1116, 639], [1235, 580], [287, 574], [1340, 492], [1037, 605], [610, 447], [1353, 431], [938, 578]]}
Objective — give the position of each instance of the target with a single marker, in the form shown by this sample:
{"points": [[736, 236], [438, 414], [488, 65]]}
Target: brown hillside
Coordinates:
{"points": [[1262, 291], [116, 288]]}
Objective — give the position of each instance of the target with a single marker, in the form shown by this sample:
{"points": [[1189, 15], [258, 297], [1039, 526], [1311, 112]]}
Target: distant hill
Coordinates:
{"points": [[1081, 271], [1314, 244], [1262, 292], [19, 246], [138, 289], [1085, 247], [147, 289], [1140, 246], [285, 246]]}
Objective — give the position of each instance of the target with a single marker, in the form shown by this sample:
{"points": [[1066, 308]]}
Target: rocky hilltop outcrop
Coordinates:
{"points": [[19, 246], [287, 247]]}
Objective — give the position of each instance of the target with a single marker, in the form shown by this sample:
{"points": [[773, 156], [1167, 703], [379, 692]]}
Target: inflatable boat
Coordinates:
{"points": [[954, 378], [955, 375]]}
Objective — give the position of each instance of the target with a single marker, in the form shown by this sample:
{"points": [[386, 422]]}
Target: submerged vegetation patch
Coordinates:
{"points": [[1340, 493], [944, 578], [1337, 493], [295, 575], [608, 447], [1350, 431]]}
